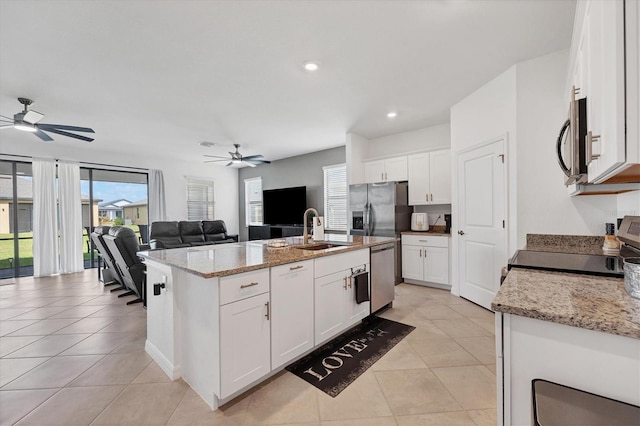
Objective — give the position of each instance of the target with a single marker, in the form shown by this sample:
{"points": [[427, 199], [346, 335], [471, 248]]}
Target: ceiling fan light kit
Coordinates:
{"points": [[28, 121], [237, 158]]}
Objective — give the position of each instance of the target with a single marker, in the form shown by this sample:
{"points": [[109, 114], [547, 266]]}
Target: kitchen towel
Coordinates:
{"points": [[361, 281], [318, 228]]}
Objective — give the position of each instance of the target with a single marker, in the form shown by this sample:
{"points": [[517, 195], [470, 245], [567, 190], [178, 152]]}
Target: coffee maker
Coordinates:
{"points": [[447, 223]]}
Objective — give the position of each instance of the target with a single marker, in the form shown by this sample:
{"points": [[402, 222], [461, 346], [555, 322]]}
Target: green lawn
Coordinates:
{"points": [[25, 248]]}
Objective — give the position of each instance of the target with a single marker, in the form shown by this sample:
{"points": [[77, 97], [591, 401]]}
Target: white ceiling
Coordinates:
{"points": [[160, 76]]}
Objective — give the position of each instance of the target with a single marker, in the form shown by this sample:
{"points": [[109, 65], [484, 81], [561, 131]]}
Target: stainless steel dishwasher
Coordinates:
{"points": [[383, 259]]}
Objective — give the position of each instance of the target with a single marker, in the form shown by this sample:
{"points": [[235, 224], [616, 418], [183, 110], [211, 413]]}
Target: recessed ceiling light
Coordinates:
{"points": [[310, 66], [207, 144], [392, 114]]}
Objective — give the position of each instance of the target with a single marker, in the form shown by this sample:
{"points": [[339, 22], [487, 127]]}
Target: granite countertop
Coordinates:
{"points": [[433, 229], [234, 258], [585, 301]]}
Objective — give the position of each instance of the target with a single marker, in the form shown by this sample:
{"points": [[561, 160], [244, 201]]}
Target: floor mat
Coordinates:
{"points": [[335, 365]]}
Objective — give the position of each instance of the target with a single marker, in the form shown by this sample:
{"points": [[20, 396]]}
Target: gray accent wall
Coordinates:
{"points": [[303, 170]]}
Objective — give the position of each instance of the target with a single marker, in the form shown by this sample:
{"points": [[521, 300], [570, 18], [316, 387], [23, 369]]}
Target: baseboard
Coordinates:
{"points": [[174, 372], [429, 284]]}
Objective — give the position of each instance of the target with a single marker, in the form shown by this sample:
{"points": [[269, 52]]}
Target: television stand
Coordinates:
{"points": [[268, 232]]}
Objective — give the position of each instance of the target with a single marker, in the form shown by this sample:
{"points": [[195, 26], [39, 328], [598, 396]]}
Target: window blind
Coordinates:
{"points": [[199, 199], [253, 201], [335, 197]]}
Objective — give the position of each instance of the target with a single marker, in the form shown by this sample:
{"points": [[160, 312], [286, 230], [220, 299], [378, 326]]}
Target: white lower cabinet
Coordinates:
{"points": [[425, 259], [291, 311], [334, 296], [245, 334]]}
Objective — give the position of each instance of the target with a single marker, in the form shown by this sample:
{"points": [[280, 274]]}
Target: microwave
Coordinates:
{"points": [[571, 143]]}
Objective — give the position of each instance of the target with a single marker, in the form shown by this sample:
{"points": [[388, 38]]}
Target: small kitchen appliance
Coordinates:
{"points": [[419, 222]]}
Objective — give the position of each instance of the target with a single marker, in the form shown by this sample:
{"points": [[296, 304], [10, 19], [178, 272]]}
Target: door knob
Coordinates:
{"points": [[461, 232]]}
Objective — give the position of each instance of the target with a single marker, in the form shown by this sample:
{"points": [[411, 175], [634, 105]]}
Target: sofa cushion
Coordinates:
{"points": [[168, 242], [191, 231], [214, 227], [164, 229], [216, 237]]}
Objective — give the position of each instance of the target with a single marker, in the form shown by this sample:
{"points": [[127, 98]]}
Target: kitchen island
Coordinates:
{"points": [[575, 330], [226, 317]]}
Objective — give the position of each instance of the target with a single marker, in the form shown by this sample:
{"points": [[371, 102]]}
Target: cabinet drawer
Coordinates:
{"points": [[241, 286], [339, 262], [426, 240], [291, 268]]}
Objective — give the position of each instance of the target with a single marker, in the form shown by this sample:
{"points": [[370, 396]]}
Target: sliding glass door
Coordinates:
{"points": [[16, 219], [111, 198]]}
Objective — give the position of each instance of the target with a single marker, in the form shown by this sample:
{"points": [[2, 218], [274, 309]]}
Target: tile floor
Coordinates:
{"points": [[72, 353]]}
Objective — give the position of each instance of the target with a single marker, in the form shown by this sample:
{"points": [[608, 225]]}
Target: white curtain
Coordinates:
{"points": [[45, 229], [71, 243], [157, 203]]}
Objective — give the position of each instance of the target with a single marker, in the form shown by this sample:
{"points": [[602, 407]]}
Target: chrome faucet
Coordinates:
{"points": [[305, 234]]}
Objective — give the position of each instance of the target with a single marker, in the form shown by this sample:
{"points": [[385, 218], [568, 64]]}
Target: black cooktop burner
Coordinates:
{"points": [[608, 266]]}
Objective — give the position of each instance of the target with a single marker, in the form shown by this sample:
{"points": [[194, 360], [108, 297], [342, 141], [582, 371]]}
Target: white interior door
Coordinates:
{"points": [[481, 226]]}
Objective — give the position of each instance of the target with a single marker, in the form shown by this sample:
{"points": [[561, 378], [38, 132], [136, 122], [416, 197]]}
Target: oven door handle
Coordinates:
{"points": [[561, 162]]}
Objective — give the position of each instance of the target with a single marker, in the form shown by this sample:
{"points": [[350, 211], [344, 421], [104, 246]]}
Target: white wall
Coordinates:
{"points": [[356, 150], [426, 139], [225, 179], [486, 114], [543, 204]]}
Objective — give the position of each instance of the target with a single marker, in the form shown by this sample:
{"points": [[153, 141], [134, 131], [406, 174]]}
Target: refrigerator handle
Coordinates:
{"points": [[366, 219], [369, 220]]}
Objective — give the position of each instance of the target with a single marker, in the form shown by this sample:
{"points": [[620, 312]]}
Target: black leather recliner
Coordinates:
{"points": [[110, 273], [189, 233], [216, 231], [165, 235], [122, 242]]}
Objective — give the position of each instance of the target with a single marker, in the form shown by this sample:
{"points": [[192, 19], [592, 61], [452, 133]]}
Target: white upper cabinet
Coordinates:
{"points": [[387, 170], [430, 178], [607, 75]]}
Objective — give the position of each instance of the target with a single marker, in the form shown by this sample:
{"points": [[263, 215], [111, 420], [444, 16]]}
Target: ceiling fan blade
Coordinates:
{"points": [[215, 156], [229, 163], [47, 126], [42, 135], [6, 118], [259, 161], [215, 161], [6, 126], [251, 157], [71, 135]]}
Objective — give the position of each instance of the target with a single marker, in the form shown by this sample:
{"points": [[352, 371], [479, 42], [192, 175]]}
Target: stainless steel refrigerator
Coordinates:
{"points": [[380, 209]]}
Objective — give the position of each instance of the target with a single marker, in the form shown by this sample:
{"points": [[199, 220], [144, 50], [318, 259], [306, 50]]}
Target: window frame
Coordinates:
{"points": [[248, 203], [206, 204], [329, 220]]}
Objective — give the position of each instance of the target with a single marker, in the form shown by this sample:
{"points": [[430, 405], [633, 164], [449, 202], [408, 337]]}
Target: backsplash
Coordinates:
{"points": [[435, 212], [582, 244]]}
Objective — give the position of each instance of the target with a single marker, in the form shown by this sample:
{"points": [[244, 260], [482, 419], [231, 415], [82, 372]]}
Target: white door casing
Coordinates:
{"points": [[482, 217]]}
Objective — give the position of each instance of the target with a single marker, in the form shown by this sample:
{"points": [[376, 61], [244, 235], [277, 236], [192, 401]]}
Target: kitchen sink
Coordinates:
{"points": [[323, 246]]}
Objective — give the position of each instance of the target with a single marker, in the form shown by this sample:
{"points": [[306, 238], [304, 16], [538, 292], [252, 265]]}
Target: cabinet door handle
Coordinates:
{"points": [[267, 314], [591, 138], [345, 283], [420, 253], [426, 197], [381, 176], [385, 175], [293, 268], [431, 197], [350, 281], [423, 241], [248, 285]]}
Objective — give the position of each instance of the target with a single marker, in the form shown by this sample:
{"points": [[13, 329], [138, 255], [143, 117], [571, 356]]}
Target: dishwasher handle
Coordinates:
{"points": [[377, 249]]}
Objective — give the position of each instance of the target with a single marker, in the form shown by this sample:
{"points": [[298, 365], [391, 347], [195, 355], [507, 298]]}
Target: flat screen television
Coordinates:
{"points": [[284, 206]]}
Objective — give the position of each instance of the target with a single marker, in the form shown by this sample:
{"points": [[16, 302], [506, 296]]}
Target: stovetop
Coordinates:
{"points": [[590, 264]]}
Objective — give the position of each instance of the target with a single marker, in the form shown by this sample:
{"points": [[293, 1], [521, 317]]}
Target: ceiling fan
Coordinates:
{"points": [[237, 158], [27, 120]]}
